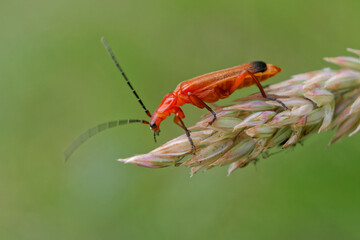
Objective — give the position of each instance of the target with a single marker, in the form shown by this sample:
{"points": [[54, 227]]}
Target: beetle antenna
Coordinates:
{"points": [[108, 49], [95, 130]]}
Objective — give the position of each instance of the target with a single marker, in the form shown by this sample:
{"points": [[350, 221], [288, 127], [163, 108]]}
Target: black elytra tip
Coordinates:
{"points": [[258, 66]]}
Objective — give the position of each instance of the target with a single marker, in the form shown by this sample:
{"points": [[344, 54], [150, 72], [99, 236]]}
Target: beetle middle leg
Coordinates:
{"points": [[239, 81], [201, 104]]}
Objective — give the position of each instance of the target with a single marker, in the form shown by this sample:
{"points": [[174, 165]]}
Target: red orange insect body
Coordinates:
{"points": [[198, 91], [209, 88]]}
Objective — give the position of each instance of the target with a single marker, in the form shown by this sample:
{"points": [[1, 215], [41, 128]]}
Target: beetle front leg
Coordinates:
{"points": [[181, 124], [201, 104]]}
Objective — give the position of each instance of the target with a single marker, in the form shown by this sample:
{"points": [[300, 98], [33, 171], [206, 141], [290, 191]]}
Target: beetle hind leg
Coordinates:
{"points": [[241, 78], [277, 100]]}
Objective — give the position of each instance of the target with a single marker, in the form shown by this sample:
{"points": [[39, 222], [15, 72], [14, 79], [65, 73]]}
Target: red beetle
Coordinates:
{"points": [[198, 91]]}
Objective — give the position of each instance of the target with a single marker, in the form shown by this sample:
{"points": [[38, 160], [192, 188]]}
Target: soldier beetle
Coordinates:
{"points": [[198, 91]]}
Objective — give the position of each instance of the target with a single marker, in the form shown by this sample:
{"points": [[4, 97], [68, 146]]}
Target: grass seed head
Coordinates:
{"points": [[252, 126]]}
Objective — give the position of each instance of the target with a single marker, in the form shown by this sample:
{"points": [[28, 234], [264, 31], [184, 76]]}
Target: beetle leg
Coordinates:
{"points": [[181, 124], [201, 104], [239, 81]]}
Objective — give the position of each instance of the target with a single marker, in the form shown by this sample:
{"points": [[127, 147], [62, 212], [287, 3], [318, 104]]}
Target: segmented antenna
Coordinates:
{"points": [[108, 49], [95, 130]]}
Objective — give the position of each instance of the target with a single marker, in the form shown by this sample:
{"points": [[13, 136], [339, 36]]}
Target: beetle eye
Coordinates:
{"points": [[153, 125]]}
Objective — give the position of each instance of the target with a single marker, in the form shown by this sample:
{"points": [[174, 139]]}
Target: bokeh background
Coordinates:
{"points": [[56, 81]]}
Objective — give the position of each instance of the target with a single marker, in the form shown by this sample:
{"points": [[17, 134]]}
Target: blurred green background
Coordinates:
{"points": [[56, 81]]}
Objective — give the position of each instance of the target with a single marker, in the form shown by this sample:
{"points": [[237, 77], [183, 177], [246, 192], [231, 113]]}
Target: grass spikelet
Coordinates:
{"points": [[318, 101]]}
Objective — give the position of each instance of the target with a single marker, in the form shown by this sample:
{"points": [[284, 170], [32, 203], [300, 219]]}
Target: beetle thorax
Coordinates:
{"points": [[166, 107]]}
